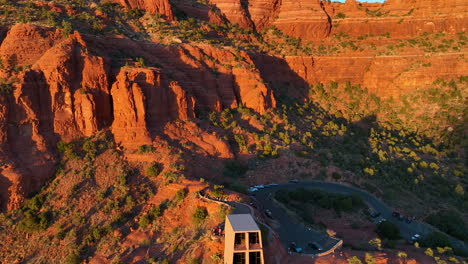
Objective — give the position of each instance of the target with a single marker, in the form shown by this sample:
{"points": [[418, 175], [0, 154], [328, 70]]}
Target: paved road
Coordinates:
{"points": [[289, 229]]}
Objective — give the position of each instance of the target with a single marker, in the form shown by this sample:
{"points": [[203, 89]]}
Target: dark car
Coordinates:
{"points": [[315, 245], [268, 213], [408, 220], [253, 205], [395, 214], [375, 214], [294, 181], [293, 248], [401, 218]]}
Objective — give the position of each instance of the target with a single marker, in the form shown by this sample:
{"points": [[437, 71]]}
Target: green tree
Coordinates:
{"points": [[66, 28], [459, 190], [388, 230], [369, 259], [354, 260], [376, 242], [153, 170], [199, 215], [402, 255]]}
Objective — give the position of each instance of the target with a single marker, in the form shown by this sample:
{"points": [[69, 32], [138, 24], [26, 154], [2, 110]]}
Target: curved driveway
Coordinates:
{"points": [[290, 229]]}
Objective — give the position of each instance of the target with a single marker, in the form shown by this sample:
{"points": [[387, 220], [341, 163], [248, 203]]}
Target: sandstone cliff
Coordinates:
{"points": [[70, 89], [162, 7]]}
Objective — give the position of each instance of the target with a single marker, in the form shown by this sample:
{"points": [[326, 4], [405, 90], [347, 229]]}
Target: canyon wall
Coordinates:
{"points": [[73, 87], [162, 7]]}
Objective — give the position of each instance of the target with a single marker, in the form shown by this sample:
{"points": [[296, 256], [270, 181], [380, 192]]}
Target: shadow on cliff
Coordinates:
{"points": [[288, 86], [31, 142]]}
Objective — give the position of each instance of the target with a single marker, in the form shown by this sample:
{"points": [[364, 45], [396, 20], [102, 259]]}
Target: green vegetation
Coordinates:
{"points": [[306, 202], [234, 169], [435, 239], [354, 260], [450, 222], [388, 230], [199, 216], [6, 87], [340, 16], [337, 202], [146, 149], [154, 169]]}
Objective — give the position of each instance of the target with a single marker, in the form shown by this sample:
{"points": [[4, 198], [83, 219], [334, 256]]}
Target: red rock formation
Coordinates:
{"points": [[162, 7], [24, 44], [142, 100], [190, 132], [203, 12], [236, 11], [303, 19], [78, 86], [402, 19]]}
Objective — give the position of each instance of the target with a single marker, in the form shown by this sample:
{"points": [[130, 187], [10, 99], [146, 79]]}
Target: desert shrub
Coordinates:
{"points": [[179, 197], [340, 16], [35, 222], [238, 187], [326, 200], [67, 28], [73, 258], [336, 175], [146, 149], [388, 230], [153, 170], [369, 259], [354, 260], [199, 216], [67, 149], [450, 222], [5, 86], [234, 169], [144, 221], [90, 149], [435, 239], [194, 261]]}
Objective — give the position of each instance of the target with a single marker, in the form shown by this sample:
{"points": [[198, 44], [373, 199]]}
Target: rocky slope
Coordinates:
{"points": [[162, 7], [67, 92], [313, 20]]}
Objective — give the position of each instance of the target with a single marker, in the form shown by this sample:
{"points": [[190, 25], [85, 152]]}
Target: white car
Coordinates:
{"points": [[416, 237], [259, 186], [253, 189], [273, 184]]}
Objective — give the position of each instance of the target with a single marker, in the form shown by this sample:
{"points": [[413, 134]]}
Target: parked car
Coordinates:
{"points": [[408, 220], [253, 205], [260, 186], [293, 247], [401, 218], [375, 214], [315, 245], [382, 220], [395, 214], [268, 213], [273, 185], [416, 237], [253, 189], [294, 181]]}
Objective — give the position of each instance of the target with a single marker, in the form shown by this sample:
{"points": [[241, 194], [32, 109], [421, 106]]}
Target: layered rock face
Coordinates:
{"points": [[312, 19], [69, 88], [303, 19], [162, 7], [401, 19], [141, 100]]}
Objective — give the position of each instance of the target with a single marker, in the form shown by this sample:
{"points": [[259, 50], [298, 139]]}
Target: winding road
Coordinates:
{"points": [[290, 229]]}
